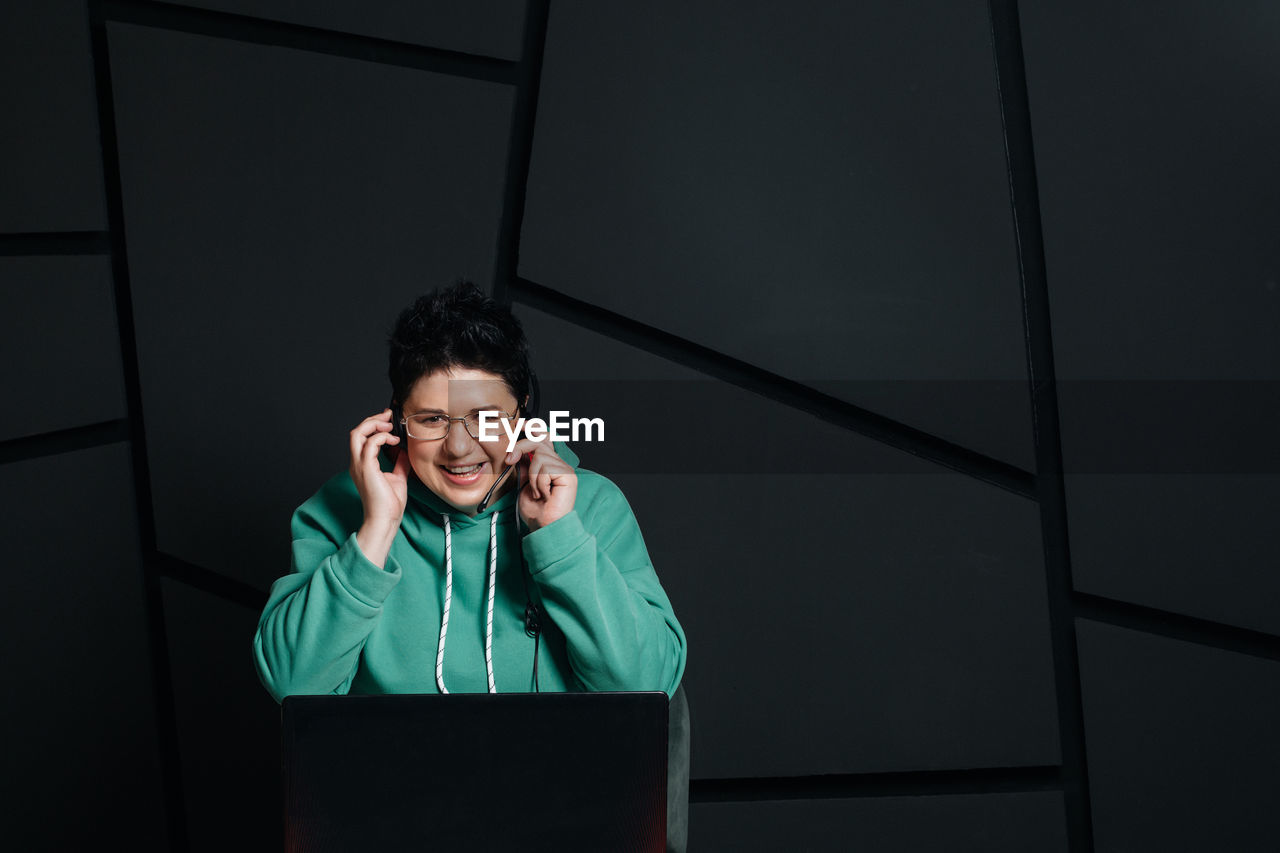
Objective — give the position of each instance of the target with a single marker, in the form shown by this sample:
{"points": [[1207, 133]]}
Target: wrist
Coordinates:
{"points": [[374, 539], [380, 526]]}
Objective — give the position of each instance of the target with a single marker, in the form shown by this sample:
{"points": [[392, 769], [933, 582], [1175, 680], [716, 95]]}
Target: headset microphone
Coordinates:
{"points": [[488, 496]]}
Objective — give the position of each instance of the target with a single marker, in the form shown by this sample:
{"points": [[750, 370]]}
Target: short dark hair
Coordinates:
{"points": [[458, 326]]}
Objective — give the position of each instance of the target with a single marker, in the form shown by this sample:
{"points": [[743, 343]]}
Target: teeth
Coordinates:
{"points": [[470, 469]]}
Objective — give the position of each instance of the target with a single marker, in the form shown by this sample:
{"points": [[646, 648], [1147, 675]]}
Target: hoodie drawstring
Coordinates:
{"points": [[448, 598]]}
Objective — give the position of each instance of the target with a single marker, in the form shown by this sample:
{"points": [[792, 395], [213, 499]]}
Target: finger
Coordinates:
{"points": [[526, 445], [544, 482], [534, 465], [369, 453], [369, 450], [521, 448], [357, 444], [402, 464], [367, 427], [522, 463]]}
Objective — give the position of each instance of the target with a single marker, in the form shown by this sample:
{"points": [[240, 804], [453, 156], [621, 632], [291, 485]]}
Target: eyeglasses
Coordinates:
{"points": [[435, 427]]}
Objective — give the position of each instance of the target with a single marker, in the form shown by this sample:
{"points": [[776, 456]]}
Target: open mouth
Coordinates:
{"points": [[463, 474]]}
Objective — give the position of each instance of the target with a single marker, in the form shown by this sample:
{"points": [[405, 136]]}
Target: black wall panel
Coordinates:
{"points": [[81, 754], [904, 604], [817, 189], [1198, 544], [228, 725], [281, 208], [906, 610], [59, 344], [958, 824], [1182, 742], [486, 27], [52, 174], [1156, 131]]}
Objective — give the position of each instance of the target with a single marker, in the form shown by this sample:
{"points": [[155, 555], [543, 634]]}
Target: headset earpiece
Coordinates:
{"points": [[397, 429]]}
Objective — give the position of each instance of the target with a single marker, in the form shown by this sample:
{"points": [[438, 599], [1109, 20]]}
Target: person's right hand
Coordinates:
{"points": [[383, 493]]}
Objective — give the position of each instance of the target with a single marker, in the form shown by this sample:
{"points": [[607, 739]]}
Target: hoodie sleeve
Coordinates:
{"points": [[600, 589], [317, 618]]}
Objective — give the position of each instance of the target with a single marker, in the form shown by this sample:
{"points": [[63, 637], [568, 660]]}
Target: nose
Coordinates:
{"points": [[458, 442]]}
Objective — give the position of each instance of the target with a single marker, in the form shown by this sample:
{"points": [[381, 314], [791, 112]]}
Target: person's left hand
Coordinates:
{"points": [[551, 484]]}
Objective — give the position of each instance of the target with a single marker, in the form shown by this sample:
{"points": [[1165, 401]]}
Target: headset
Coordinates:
{"points": [[532, 612]]}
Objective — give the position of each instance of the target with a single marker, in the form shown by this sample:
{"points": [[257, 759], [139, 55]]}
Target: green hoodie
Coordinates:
{"points": [[340, 624]]}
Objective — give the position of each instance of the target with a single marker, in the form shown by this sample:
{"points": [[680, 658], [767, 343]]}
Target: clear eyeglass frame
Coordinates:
{"points": [[471, 423]]}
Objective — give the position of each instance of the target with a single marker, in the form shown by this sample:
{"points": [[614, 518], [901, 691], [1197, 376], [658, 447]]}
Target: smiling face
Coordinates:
{"points": [[458, 468]]}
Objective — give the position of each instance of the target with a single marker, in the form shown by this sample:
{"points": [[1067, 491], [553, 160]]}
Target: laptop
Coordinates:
{"points": [[475, 771]]}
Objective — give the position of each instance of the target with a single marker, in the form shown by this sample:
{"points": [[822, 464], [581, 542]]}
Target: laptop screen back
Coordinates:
{"points": [[512, 771]]}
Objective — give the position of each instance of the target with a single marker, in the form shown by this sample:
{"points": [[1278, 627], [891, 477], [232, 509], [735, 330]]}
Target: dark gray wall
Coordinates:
{"points": [[926, 608]]}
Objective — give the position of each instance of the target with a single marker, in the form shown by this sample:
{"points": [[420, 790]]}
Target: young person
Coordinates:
{"points": [[405, 580]]}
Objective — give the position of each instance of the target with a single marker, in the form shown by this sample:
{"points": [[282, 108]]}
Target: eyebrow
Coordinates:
{"points": [[486, 408]]}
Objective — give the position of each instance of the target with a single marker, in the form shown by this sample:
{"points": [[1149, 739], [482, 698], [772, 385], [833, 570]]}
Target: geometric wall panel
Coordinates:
{"points": [[905, 604], [281, 208], [1182, 743], [1197, 544], [820, 194], [977, 822], [1156, 132], [52, 174], [907, 610], [1170, 119], [59, 344], [81, 757], [228, 725], [486, 27]]}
